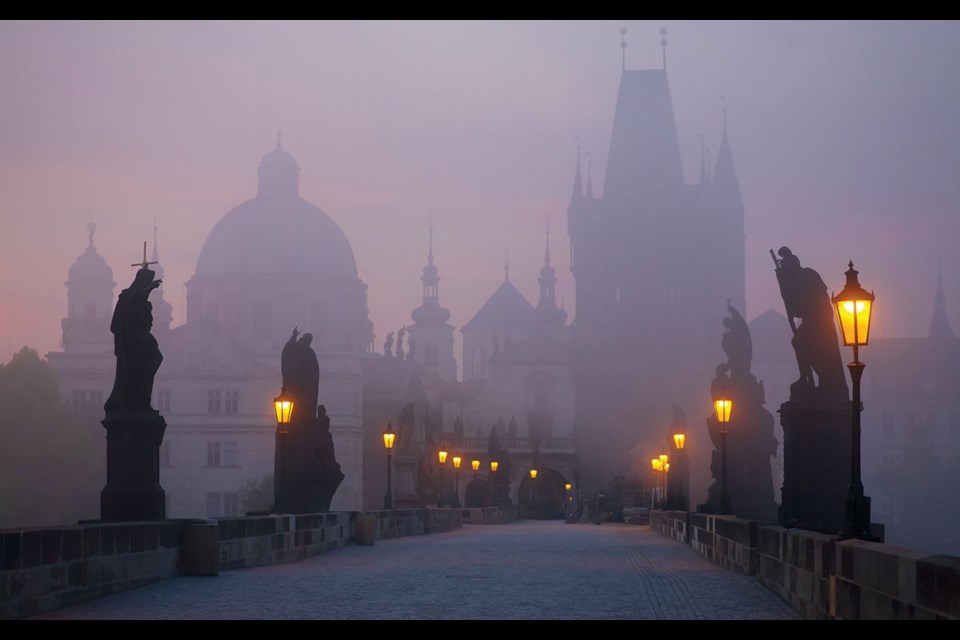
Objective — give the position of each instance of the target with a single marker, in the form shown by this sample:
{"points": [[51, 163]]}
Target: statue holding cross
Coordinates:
{"points": [[137, 352]]}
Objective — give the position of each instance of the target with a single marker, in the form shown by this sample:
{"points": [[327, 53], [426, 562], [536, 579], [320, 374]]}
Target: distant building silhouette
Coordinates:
{"points": [[655, 260]]}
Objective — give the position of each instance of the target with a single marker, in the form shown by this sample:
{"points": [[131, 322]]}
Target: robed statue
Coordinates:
{"points": [[138, 354], [810, 313]]}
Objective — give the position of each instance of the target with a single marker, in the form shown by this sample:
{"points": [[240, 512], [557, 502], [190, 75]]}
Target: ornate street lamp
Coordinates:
{"points": [[722, 406], [442, 457], [681, 479], [493, 466], [854, 306], [679, 439], [475, 465], [456, 496], [283, 406], [389, 436]]}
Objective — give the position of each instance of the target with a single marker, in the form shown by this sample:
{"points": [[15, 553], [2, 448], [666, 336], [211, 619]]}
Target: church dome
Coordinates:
{"points": [[90, 265], [277, 232]]}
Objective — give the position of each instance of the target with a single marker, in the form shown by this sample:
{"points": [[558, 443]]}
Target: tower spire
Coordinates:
{"points": [[589, 176], [430, 249], [623, 49], [940, 323], [156, 255], [663, 45], [546, 256], [577, 194]]}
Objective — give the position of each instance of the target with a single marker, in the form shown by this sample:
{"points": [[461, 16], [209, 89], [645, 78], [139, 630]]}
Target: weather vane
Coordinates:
{"points": [[623, 46]]}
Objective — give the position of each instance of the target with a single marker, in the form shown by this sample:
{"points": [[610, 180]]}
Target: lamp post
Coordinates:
{"points": [[475, 465], [657, 466], [722, 405], [456, 495], [283, 406], [442, 457], [389, 436], [680, 482], [663, 468], [854, 306]]}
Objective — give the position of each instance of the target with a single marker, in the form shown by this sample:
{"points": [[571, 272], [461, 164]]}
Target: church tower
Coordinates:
{"points": [[431, 336], [655, 261], [90, 285]]}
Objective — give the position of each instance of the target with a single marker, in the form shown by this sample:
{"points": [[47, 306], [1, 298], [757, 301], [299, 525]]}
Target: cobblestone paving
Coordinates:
{"points": [[546, 570]]}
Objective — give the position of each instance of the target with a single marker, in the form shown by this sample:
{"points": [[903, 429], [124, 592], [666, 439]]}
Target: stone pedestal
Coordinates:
{"points": [[817, 443], [133, 490]]}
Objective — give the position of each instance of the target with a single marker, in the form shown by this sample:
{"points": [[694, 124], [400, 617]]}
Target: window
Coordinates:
{"points": [[231, 504], [213, 401], [213, 454], [221, 505], [79, 399], [231, 454], [165, 454], [213, 505], [430, 355], [232, 402], [262, 320], [163, 400], [479, 359]]}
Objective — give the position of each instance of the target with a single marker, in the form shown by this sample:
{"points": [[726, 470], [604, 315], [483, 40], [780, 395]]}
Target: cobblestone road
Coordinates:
{"points": [[521, 571]]}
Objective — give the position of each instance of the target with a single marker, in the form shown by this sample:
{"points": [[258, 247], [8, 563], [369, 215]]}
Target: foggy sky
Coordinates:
{"points": [[845, 136]]}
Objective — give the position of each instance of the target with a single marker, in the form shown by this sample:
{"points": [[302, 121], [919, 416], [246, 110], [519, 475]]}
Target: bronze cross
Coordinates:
{"points": [[144, 264]]}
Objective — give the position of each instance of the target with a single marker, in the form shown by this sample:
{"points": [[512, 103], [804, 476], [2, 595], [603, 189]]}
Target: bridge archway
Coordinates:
{"points": [[543, 498]]}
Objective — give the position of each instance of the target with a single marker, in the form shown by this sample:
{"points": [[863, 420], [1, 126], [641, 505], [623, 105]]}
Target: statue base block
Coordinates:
{"points": [[817, 443], [133, 490]]}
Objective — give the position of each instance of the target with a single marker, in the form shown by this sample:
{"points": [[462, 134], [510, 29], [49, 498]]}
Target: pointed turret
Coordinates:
{"points": [[726, 187], [431, 336], [940, 328], [548, 314], [577, 196]]}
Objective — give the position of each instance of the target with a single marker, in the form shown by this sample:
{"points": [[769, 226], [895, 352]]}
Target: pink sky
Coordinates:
{"points": [[845, 135]]}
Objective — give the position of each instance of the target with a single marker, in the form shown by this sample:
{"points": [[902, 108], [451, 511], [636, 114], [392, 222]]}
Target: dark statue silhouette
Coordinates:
{"points": [[138, 354], [134, 429], [750, 433], [805, 298], [388, 346], [310, 475]]}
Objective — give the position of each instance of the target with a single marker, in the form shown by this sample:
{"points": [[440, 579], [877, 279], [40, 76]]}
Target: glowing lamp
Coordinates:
{"points": [[389, 436], [854, 305], [722, 407], [493, 465], [568, 486], [456, 462], [442, 456], [679, 439], [663, 458], [666, 467], [656, 464], [283, 404], [533, 474]]}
